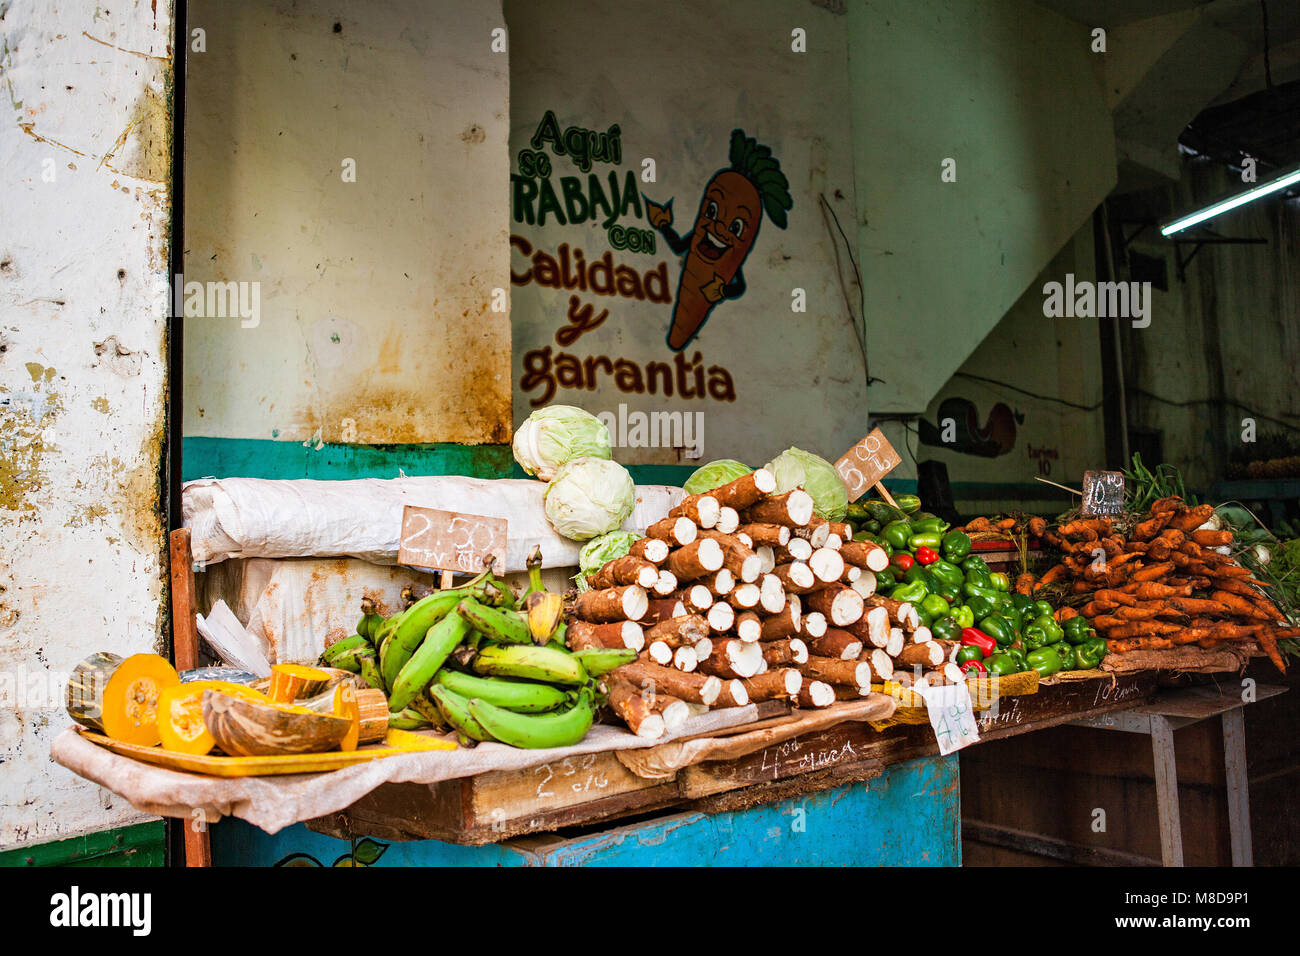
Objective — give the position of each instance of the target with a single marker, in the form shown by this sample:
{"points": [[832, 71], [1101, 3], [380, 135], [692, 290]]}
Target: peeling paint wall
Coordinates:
{"points": [[83, 297], [375, 321]]}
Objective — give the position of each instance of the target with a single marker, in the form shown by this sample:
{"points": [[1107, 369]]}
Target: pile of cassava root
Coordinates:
{"points": [[1171, 582], [744, 595]]}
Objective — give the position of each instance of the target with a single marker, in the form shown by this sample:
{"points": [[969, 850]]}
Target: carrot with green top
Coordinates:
{"points": [[726, 225]]}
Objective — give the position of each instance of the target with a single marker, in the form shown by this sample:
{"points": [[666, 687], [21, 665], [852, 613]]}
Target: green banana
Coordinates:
{"points": [[497, 624], [382, 631], [408, 719], [599, 661], [418, 671], [535, 731], [426, 708], [342, 654], [549, 664], [369, 664], [455, 711], [415, 623], [523, 697]]}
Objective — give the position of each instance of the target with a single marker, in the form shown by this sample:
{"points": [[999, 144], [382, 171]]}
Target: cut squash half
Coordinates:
{"points": [[180, 714], [119, 698], [289, 682], [251, 728]]}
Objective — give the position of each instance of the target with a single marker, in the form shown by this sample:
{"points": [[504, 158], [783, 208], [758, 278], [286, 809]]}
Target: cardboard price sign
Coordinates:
{"points": [[951, 715], [448, 540], [1103, 493], [863, 465]]}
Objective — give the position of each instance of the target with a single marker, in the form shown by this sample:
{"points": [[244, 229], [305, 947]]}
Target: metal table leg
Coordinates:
{"points": [[1234, 762], [1171, 833]]}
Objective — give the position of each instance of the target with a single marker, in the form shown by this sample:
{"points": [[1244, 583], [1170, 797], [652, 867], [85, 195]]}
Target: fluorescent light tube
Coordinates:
{"points": [[1288, 178]]}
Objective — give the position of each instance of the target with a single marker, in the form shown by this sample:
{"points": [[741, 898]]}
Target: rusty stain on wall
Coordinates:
{"points": [[141, 150], [24, 416]]}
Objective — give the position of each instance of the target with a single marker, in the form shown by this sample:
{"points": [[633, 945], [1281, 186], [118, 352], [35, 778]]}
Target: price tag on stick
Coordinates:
{"points": [[449, 541], [1103, 493], [863, 465], [951, 715]]}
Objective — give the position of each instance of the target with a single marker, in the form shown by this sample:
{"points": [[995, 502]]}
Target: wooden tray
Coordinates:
{"points": [[220, 765]]}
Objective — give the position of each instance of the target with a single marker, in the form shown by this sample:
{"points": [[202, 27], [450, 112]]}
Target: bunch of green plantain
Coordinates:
{"points": [[478, 661]]}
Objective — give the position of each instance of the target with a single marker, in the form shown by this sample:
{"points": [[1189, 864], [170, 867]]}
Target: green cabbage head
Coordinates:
{"points": [[714, 475], [796, 468], [589, 497], [557, 434]]}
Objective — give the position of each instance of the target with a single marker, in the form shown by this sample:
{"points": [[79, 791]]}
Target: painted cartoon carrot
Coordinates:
{"points": [[726, 225]]}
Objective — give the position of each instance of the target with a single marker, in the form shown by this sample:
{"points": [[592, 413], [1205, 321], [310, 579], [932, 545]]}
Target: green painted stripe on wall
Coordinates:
{"points": [[263, 458], [144, 844]]}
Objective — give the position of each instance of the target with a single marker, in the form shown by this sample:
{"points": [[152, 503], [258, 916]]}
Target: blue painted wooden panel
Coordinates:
{"points": [[910, 816]]}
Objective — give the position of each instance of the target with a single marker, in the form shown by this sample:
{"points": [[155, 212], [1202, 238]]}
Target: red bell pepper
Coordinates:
{"points": [[902, 561], [973, 636], [977, 665], [926, 555]]}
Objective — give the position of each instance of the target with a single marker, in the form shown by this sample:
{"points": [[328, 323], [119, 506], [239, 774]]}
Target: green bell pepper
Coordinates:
{"points": [[969, 653], [1076, 629], [1000, 664], [1053, 630], [952, 595], [964, 616], [975, 562], [981, 606], [1043, 607], [971, 589], [1000, 581], [956, 546], [929, 526], [935, 606], [886, 577], [947, 628], [1022, 601], [1032, 637], [996, 627], [1090, 653], [947, 572], [1018, 655], [926, 539], [915, 573], [1044, 660], [897, 533], [1066, 653], [913, 593]]}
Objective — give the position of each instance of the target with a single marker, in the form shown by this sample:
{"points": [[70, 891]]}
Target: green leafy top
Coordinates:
{"points": [[757, 164]]}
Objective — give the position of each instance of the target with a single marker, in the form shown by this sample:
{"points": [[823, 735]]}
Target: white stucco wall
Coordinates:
{"points": [[83, 295], [376, 322], [677, 78]]}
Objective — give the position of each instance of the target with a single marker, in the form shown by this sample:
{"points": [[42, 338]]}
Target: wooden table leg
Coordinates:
{"points": [[1171, 833], [1234, 763], [185, 654]]}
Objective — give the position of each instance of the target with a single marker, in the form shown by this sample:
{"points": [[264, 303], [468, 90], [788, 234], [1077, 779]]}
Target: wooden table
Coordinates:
{"points": [[597, 789]]}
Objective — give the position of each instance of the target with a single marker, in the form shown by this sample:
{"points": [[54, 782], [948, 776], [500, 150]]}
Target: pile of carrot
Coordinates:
{"points": [[1165, 584]]}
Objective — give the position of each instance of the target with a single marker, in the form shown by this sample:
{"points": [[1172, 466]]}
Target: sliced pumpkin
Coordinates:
{"points": [[340, 701], [180, 714], [251, 728], [289, 682], [119, 698]]}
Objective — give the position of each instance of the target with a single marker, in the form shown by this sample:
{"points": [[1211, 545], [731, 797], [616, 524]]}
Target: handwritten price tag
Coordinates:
{"points": [[448, 540], [951, 716], [863, 465], [1103, 493]]}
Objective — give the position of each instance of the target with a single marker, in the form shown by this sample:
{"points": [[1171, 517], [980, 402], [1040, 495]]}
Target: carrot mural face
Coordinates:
{"points": [[730, 212]]}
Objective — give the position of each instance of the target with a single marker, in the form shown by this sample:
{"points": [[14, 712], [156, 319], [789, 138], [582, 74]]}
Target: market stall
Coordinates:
{"points": [[735, 647]]}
